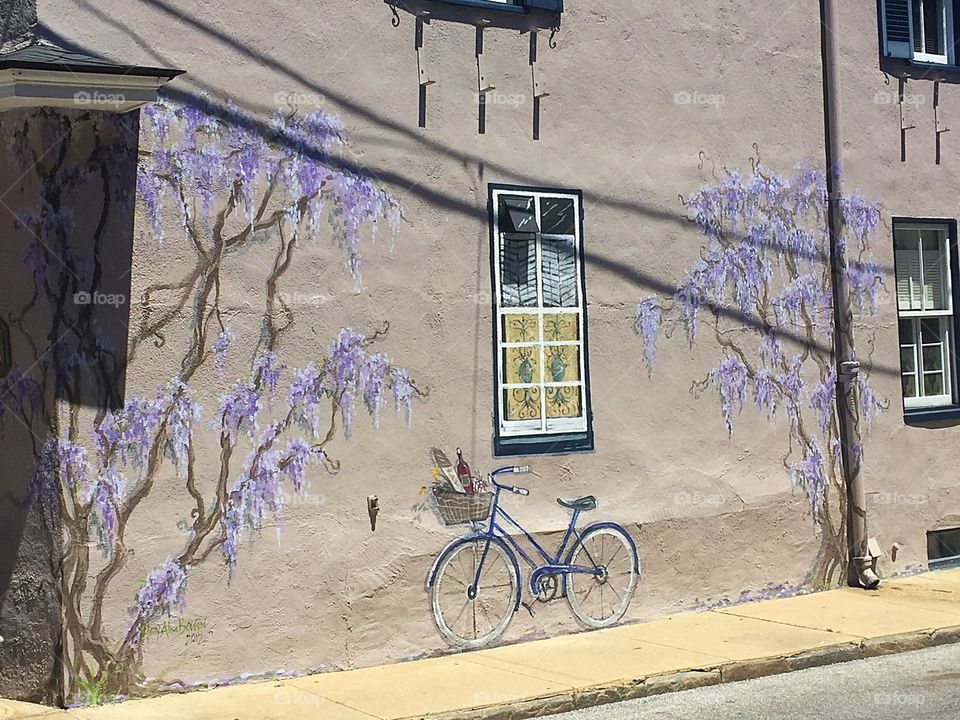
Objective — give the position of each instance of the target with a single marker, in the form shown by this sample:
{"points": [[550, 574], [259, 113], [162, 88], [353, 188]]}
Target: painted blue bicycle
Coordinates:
{"points": [[475, 582]]}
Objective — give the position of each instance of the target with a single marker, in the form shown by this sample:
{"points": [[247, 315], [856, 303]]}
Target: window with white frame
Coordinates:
{"points": [[540, 335], [925, 307], [920, 30]]}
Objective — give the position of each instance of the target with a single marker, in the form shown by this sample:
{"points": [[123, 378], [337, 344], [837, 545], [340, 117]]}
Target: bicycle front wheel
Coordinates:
{"points": [[471, 615], [600, 600]]}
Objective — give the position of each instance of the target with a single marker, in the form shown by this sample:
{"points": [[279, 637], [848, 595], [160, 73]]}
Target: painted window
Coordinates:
{"points": [[925, 306], [920, 30], [540, 335]]}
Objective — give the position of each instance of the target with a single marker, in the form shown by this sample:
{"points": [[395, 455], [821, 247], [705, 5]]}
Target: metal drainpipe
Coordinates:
{"points": [[860, 572]]}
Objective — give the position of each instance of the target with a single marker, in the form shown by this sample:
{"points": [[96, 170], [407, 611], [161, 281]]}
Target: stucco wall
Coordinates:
{"points": [[713, 514]]}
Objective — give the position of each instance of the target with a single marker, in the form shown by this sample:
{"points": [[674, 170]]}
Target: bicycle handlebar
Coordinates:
{"points": [[517, 469]]}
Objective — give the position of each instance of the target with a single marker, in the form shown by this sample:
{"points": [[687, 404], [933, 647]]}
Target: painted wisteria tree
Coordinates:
{"points": [[761, 289], [210, 186]]}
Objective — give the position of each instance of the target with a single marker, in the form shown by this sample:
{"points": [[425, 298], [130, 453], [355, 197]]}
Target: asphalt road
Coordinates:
{"points": [[921, 685]]}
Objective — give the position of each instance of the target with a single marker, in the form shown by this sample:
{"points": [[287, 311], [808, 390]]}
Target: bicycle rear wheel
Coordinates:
{"points": [[599, 601], [468, 616]]}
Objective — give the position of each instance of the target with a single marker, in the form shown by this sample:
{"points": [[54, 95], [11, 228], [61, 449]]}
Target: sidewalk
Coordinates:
{"points": [[537, 678]]}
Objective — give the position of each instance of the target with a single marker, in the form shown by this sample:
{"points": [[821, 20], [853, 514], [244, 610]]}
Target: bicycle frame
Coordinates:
{"points": [[551, 565]]}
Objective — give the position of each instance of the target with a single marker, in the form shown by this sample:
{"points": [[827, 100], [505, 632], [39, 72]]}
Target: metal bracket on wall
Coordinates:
{"points": [[939, 128], [424, 78], [903, 128], [483, 87], [538, 91]]}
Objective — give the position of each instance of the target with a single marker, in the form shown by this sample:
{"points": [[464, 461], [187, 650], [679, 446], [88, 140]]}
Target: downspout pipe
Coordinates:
{"points": [[860, 571]]}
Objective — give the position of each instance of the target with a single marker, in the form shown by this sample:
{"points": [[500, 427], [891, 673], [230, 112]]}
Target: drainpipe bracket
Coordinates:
{"points": [[849, 371]]}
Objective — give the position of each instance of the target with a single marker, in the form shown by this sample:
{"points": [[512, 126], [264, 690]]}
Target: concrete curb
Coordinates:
{"points": [[728, 672]]}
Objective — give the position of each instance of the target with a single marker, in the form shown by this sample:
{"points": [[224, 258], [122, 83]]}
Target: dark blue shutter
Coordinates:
{"points": [[548, 5], [896, 27]]}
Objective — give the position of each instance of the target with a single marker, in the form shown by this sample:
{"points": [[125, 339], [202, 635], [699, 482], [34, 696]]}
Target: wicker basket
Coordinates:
{"points": [[457, 508]]}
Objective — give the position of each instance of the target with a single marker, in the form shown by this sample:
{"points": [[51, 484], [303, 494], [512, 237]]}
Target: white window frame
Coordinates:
{"points": [[915, 316], [902, 47], [544, 426], [946, 20]]}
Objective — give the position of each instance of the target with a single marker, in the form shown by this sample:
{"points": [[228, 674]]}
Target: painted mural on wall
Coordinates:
{"points": [[225, 185], [761, 291], [476, 583]]}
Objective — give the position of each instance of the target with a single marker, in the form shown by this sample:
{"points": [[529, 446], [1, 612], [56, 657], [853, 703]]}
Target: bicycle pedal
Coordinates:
{"points": [[528, 607]]}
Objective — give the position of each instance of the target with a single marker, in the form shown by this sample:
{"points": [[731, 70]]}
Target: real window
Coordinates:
{"points": [[920, 30], [943, 548], [925, 305], [542, 393]]}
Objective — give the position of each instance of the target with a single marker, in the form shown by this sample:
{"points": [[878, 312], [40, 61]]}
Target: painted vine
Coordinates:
{"points": [[761, 289], [225, 187]]}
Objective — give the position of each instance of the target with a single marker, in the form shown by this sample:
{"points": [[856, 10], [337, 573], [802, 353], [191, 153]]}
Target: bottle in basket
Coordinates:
{"points": [[463, 472]]}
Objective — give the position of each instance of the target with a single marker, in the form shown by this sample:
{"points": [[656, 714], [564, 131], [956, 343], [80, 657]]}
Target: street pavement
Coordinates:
{"points": [[920, 685]]}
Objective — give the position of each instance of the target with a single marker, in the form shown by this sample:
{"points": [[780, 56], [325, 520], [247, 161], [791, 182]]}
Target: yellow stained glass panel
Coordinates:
{"points": [[562, 363], [521, 404], [521, 327], [563, 402], [521, 365], [561, 327]]}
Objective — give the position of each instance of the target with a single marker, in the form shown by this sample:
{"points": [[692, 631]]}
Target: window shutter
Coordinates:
{"points": [[518, 273], [908, 279], [897, 32], [933, 287], [559, 273]]}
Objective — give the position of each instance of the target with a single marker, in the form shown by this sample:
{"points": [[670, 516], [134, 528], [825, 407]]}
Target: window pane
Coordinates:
{"points": [[934, 270], [909, 386], [517, 214], [518, 273], [917, 16], [933, 27], [563, 402], [561, 326], [521, 364], [556, 216], [933, 384], [521, 328], [907, 256], [559, 273], [932, 358], [563, 363], [907, 359], [930, 330], [521, 404]]}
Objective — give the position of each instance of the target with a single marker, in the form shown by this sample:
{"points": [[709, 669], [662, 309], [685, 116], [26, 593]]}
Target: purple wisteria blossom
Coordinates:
{"points": [[219, 349], [239, 408], [215, 150], [809, 475], [162, 594], [647, 325], [730, 377]]}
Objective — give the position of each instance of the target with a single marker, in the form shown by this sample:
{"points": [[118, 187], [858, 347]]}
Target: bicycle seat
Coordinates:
{"points": [[587, 502]]}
